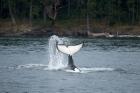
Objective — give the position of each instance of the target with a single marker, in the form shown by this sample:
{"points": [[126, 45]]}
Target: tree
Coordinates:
{"points": [[131, 7], [11, 13], [51, 8]]}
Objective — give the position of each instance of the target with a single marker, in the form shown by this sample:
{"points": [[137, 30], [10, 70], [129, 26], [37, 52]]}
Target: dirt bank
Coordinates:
{"points": [[7, 29]]}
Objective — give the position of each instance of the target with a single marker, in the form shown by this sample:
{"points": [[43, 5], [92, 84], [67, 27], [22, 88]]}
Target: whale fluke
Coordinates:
{"points": [[70, 50]]}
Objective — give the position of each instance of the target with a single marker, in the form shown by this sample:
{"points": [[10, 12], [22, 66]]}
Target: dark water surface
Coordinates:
{"points": [[113, 64]]}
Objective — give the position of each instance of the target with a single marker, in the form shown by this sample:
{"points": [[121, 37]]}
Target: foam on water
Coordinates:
{"points": [[31, 66], [82, 69], [89, 70], [98, 69]]}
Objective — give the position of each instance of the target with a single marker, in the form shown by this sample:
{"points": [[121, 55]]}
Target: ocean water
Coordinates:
{"points": [[107, 66]]}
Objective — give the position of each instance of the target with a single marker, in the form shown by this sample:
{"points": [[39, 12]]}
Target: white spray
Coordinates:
{"points": [[56, 58]]}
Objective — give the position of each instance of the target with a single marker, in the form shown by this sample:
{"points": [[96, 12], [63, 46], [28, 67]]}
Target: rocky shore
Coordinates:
{"points": [[80, 31]]}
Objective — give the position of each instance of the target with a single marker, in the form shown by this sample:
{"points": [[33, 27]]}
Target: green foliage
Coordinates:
{"points": [[112, 11]]}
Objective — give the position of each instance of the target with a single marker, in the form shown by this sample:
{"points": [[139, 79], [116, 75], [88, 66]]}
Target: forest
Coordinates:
{"points": [[66, 12]]}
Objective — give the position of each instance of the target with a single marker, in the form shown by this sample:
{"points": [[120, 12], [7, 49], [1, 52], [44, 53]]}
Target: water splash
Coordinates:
{"points": [[56, 58]]}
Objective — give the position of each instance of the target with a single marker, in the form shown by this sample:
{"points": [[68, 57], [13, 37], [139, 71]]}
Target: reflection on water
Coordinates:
{"points": [[108, 65]]}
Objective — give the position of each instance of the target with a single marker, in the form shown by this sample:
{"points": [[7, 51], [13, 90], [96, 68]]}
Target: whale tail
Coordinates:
{"points": [[70, 50], [71, 64]]}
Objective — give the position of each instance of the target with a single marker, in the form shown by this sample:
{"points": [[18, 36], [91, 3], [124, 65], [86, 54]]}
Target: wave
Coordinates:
{"points": [[82, 69], [38, 66], [31, 66]]}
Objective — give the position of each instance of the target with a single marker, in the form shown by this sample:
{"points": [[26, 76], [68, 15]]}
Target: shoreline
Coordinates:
{"points": [[78, 30]]}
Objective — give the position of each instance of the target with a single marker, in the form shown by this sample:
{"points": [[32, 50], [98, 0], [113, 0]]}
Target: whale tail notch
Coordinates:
{"points": [[70, 50]]}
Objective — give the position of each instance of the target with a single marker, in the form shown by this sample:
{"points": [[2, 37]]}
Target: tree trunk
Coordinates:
{"points": [[54, 13], [30, 18], [11, 13], [1, 7], [69, 3], [51, 10], [118, 12], [44, 14], [133, 15], [87, 17], [88, 25], [137, 15]]}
